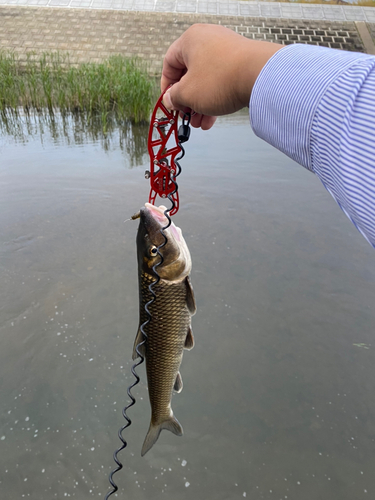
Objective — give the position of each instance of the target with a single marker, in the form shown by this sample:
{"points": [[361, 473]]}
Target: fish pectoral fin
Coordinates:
{"points": [[171, 424], [142, 348], [189, 341], [178, 385], [190, 299]]}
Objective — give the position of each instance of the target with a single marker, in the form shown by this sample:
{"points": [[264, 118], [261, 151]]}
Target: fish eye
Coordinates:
{"points": [[153, 251]]}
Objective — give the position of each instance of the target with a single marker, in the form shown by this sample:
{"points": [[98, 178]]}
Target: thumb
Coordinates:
{"points": [[167, 100], [173, 98]]}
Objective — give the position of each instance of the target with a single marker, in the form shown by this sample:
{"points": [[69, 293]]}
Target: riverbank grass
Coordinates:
{"points": [[53, 82]]}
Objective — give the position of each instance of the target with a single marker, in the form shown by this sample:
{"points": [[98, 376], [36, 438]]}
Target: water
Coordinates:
{"points": [[278, 391]]}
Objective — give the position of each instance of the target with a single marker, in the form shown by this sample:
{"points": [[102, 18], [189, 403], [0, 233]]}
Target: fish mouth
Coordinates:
{"points": [[157, 213], [153, 215]]}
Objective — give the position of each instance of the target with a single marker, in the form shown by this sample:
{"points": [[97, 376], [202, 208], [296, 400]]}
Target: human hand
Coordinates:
{"points": [[212, 70]]}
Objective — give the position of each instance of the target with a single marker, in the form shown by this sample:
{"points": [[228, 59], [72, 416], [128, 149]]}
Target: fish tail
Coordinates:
{"points": [[171, 424]]}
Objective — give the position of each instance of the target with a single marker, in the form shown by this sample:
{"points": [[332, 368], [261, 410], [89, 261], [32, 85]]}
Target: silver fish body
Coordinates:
{"points": [[168, 332]]}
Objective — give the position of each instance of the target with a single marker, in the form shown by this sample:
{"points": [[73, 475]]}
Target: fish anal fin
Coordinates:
{"points": [[190, 299], [142, 348], [170, 424], [189, 341], [178, 385]]}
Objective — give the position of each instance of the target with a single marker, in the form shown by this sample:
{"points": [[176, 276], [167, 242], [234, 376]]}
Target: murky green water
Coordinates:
{"points": [[278, 391]]}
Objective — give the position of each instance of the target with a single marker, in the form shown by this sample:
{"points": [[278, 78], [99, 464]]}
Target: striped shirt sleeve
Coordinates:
{"points": [[317, 105]]}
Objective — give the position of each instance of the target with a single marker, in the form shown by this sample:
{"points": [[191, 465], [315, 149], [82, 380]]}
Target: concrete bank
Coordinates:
{"points": [[94, 34]]}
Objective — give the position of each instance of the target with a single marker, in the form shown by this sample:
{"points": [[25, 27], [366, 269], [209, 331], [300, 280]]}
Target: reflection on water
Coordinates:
{"points": [[278, 391], [80, 128]]}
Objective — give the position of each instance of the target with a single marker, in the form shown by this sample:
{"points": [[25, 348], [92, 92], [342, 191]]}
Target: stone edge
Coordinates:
{"points": [[366, 37]]}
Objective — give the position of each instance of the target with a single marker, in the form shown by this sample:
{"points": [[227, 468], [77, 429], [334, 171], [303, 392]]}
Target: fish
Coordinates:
{"points": [[169, 331]]}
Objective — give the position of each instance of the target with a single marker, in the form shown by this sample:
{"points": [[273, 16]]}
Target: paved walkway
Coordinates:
{"points": [[217, 7], [93, 33]]}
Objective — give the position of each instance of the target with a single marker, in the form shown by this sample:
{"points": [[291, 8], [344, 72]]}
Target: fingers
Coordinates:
{"points": [[198, 120], [175, 104], [202, 121], [176, 96], [174, 66], [208, 122]]}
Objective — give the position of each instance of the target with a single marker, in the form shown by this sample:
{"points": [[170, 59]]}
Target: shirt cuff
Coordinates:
{"points": [[287, 93]]}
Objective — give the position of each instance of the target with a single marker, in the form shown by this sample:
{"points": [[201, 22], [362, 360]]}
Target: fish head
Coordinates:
{"points": [[176, 262]]}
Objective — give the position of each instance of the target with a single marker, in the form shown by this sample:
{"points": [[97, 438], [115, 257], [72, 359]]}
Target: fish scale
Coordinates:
{"points": [[166, 335]]}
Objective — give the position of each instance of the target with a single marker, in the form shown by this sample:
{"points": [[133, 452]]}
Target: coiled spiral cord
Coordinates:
{"points": [[151, 301]]}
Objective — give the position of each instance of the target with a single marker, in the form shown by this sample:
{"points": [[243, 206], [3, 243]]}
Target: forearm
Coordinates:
{"points": [[318, 106]]}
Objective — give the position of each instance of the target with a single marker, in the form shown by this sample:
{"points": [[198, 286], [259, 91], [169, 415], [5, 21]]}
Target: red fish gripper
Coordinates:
{"points": [[163, 147]]}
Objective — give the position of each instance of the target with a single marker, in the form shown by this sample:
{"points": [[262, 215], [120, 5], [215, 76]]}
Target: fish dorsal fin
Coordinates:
{"points": [[190, 299], [142, 348], [178, 383], [189, 341]]}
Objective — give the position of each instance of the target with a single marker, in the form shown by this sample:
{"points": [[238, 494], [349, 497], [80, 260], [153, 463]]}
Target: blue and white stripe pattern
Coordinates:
{"points": [[317, 105]]}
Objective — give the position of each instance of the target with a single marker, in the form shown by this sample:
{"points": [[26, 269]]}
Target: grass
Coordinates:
{"points": [[118, 87]]}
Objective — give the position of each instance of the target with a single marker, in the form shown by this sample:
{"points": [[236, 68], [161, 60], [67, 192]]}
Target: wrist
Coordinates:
{"points": [[252, 59]]}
